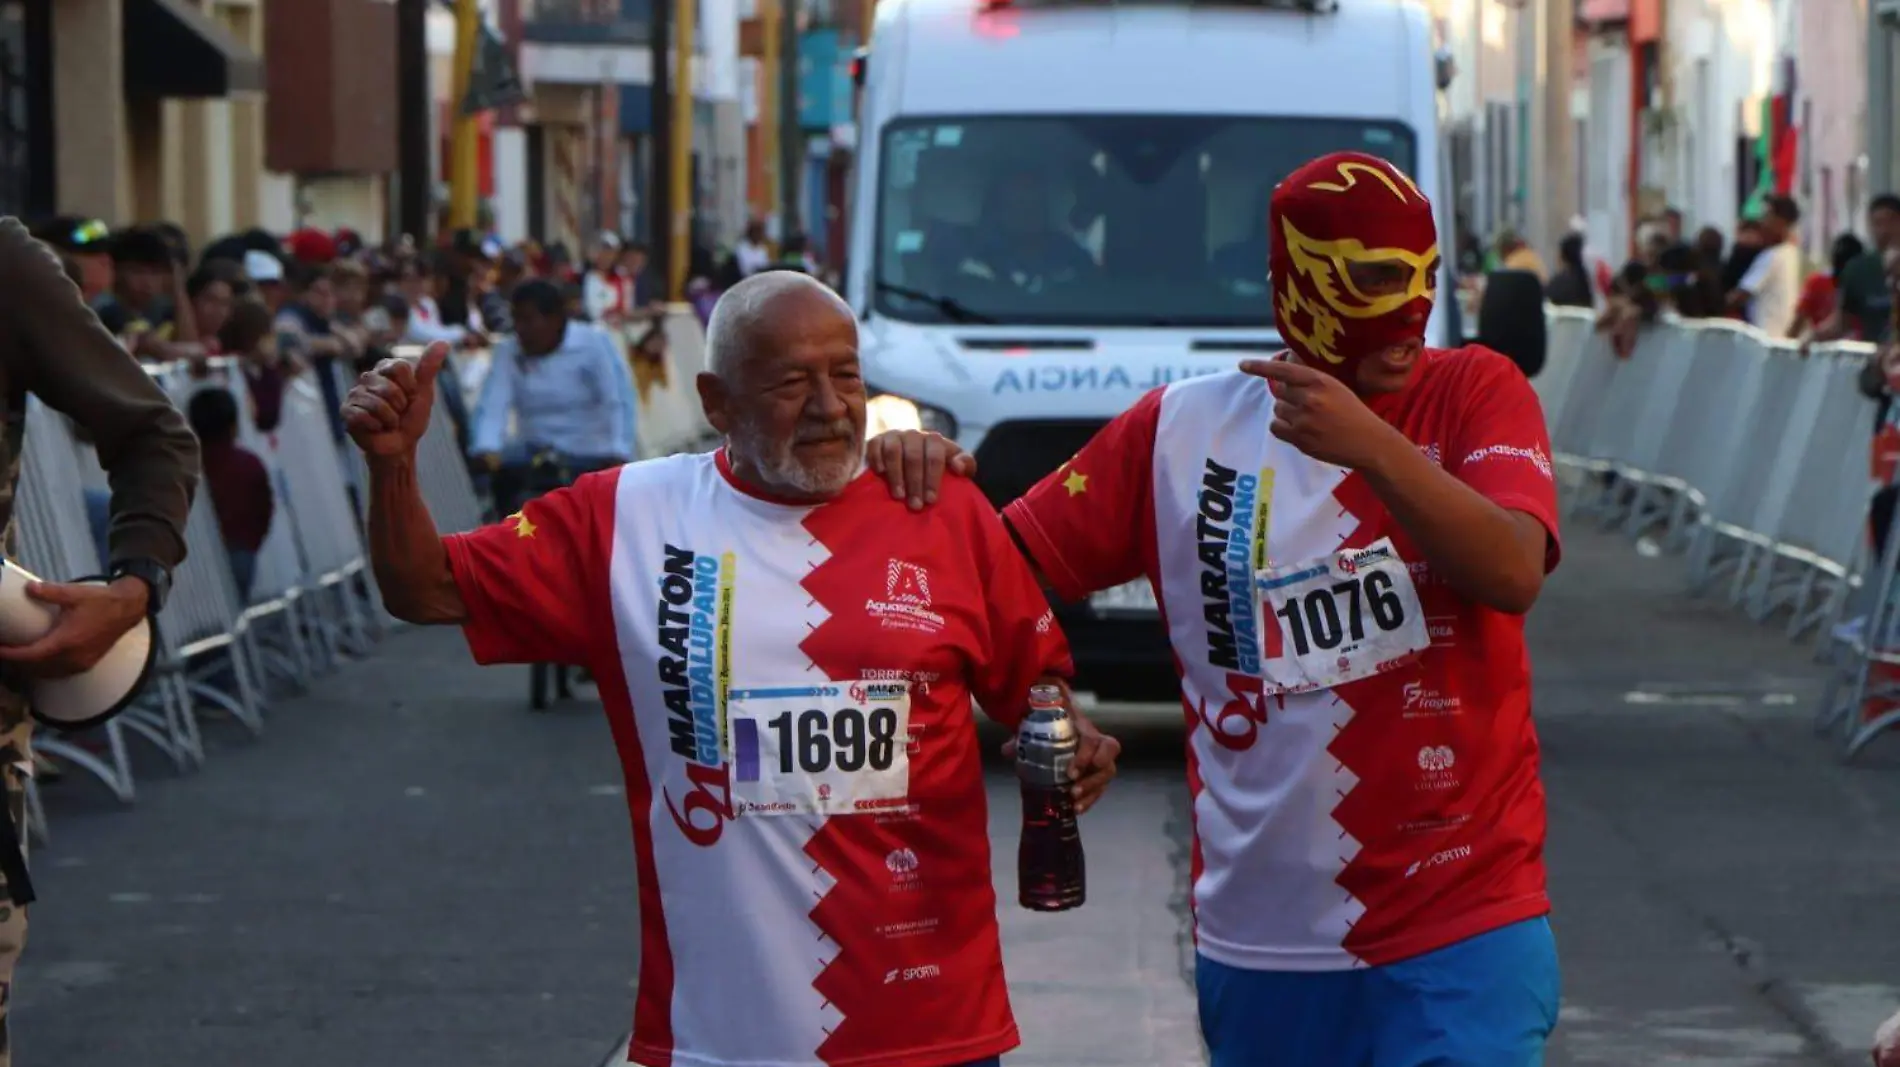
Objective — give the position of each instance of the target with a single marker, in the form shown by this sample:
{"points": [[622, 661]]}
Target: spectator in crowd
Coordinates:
{"points": [[142, 307], [1632, 304], [389, 317], [1820, 295], [643, 287], [1742, 252], [511, 267], [304, 326], [239, 484], [468, 255], [1691, 289], [601, 294], [1671, 220], [250, 335], [1514, 253], [1709, 245], [55, 348], [1864, 307], [416, 282], [751, 255], [89, 243], [266, 274], [311, 247], [1771, 288], [563, 383], [796, 255], [349, 284], [1570, 285], [211, 293]]}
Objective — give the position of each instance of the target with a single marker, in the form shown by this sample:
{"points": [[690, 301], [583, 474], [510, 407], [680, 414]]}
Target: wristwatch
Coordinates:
{"points": [[156, 576]]}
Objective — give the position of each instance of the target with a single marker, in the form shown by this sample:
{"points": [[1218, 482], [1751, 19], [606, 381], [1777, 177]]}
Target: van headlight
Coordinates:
{"points": [[885, 412]]}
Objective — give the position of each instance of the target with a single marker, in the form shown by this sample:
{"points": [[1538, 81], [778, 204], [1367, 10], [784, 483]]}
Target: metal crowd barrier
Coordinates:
{"points": [[1750, 456], [312, 602]]}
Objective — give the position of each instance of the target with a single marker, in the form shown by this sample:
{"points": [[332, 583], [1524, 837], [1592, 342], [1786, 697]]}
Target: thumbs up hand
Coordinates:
{"points": [[388, 408]]}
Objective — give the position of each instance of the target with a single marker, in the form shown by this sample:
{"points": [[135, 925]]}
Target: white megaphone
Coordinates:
{"points": [[91, 696]]}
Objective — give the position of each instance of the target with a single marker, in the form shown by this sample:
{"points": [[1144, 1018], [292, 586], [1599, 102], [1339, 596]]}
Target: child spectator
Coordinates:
{"points": [[239, 485], [250, 335]]}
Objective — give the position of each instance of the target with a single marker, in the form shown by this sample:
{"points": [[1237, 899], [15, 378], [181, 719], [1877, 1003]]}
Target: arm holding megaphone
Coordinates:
{"points": [[387, 414], [86, 620]]}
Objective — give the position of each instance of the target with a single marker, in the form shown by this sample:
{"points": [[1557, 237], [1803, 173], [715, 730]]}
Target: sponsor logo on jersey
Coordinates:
{"points": [[1423, 703], [694, 668], [1439, 859], [912, 974], [1435, 763], [906, 604], [1535, 456], [877, 692], [1225, 530]]}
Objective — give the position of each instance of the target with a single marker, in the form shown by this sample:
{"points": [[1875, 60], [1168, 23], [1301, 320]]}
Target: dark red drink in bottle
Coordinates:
{"points": [[1050, 875]]}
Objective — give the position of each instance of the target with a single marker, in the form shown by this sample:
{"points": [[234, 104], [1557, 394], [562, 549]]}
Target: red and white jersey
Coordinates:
{"points": [[767, 939], [1346, 826]]}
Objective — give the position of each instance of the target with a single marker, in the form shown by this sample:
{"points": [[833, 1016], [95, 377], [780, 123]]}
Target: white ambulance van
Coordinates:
{"points": [[1060, 204]]}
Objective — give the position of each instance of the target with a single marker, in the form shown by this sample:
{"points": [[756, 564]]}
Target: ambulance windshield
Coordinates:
{"points": [[1093, 220]]}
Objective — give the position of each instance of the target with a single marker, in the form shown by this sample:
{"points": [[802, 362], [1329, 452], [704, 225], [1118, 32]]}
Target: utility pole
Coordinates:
{"points": [[465, 146], [659, 185], [414, 181], [791, 156], [771, 13], [679, 233]]}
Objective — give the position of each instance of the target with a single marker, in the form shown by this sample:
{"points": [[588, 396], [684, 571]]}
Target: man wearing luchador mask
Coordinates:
{"points": [[1344, 541]]}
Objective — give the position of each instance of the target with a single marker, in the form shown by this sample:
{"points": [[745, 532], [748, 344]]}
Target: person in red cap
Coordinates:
{"points": [[1344, 540], [311, 247]]}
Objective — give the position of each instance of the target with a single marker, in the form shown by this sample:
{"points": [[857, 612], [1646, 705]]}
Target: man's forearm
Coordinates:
{"points": [[408, 556], [1481, 549]]}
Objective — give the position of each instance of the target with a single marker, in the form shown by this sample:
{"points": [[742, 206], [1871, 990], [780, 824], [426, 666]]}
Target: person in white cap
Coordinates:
{"points": [[267, 273]]}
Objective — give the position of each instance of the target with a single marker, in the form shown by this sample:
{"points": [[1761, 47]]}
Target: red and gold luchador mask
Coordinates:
{"points": [[1353, 260]]}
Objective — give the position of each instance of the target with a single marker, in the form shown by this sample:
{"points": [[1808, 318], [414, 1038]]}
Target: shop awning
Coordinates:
{"points": [[173, 49]]}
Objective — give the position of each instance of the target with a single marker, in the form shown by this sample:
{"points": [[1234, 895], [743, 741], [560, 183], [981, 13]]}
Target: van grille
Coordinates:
{"points": [[1015, 456]]}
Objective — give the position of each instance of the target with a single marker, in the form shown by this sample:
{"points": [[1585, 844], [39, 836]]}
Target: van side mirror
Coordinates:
{"points": [[1511, 319]]}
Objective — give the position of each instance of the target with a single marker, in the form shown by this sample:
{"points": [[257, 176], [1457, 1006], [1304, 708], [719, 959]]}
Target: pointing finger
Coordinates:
{"points": [[1284, 371]]}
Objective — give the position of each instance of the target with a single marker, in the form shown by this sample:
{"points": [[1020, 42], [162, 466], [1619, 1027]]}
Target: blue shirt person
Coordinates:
{"points": [[564, 384]]}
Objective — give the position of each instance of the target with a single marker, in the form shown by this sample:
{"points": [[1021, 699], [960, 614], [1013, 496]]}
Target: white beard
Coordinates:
{"points": [[781, 469]]}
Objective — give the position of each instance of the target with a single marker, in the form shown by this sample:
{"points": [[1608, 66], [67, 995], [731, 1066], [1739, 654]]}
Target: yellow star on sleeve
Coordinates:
{"points": [[523, 528], [1076, 483]]}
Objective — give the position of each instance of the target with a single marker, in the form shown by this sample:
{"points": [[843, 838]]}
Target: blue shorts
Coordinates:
{"points": [[1487, 1001]]}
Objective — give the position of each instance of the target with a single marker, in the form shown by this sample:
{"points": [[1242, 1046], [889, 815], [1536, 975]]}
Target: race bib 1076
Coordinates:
{"points": [[1339, 618], [832, 749]]}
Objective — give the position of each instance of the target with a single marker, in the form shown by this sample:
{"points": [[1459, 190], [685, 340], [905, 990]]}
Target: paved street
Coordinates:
{"points": [[413, 870]]}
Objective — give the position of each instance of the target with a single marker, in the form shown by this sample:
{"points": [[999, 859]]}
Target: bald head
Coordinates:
{"points": [[782, 384], [750, 318]]}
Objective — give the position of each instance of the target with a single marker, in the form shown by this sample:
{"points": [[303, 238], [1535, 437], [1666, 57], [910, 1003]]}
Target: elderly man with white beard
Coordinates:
{"points": [[787, 657]]}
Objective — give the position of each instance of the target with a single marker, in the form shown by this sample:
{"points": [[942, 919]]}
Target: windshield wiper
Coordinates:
{"points": [[951, 308]]}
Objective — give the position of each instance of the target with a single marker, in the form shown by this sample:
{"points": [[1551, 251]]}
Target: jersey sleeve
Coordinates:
{"points": [[1503, 447], [534, 584], [1024, 641], [1084, 524]]}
